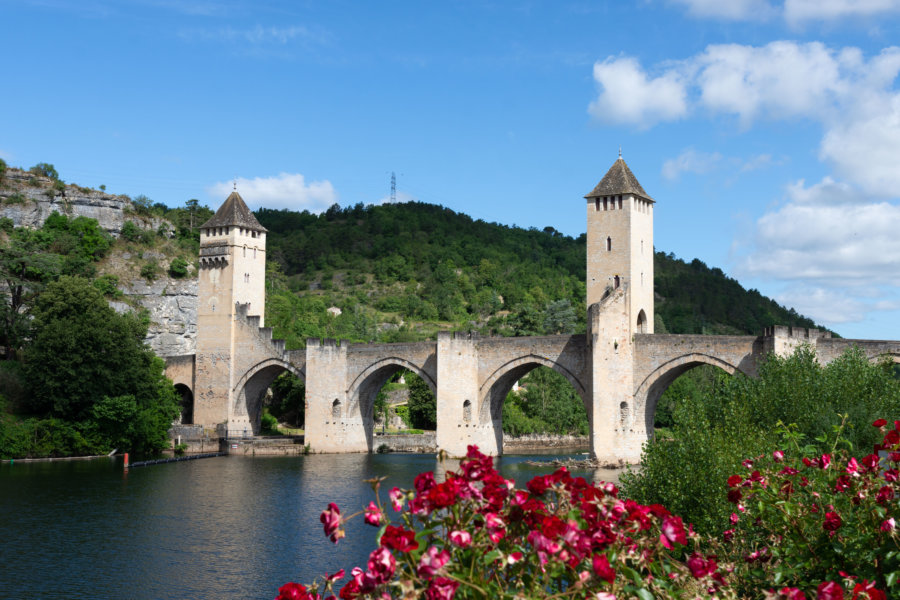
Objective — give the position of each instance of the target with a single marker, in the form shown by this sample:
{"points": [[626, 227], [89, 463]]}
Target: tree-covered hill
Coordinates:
{"points": [[401, 271]]}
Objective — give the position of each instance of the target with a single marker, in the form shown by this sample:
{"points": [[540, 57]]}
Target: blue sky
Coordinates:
{"points": [[768, 131]]}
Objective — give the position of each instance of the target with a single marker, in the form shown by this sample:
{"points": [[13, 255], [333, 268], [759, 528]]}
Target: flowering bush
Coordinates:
{"points": [[820, 524], [474, 535]]}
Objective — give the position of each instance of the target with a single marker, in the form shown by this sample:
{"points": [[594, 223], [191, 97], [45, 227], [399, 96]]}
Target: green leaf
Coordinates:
{"points": [[891, 578], [645, 594], [491, 556]]}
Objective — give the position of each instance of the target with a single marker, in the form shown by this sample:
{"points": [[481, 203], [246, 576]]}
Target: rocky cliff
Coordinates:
{"points": [[28, 199]]}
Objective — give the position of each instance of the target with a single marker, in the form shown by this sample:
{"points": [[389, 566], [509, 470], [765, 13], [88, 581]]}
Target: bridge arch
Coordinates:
{"points": [[652, 387], [366, 385], [250, 388], [492, 392]]}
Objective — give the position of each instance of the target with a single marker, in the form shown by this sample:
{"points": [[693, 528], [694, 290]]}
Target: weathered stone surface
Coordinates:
{"points": [[172, 304]]}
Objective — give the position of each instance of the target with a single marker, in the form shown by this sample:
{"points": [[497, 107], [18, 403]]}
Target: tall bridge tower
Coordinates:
{"points": [[620, 244], [232, 278], [619, 305]]}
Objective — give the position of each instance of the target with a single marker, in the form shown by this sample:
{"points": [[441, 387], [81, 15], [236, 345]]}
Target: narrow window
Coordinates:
{"points": [[605, 207], [623, 415], [596, 203], [336, 409], [616, 282], [254, 253], [467, 411], [642, 322], [620, 202], [245, 250], [608, 244]]}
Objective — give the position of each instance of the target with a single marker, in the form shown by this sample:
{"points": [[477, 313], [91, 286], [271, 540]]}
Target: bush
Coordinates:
{"points": [[150, 270], [45, 169], [268, 424], [3, 168], [803, 517], [178, 268], [130, 231], [108, 285]]}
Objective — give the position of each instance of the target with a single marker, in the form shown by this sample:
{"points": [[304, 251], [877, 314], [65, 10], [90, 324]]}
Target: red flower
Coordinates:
{"points": [[842, 484], [879, 423], [381, 565], [734, 496], [889, 524], [397, 538], [884, 494], [832, 521], [424, 481], [825, 461], [700, 566], [867, 589], [331, 520], [778, 455], [790, 593], [441, 589], [292, 591], [602, 568], [829, 590], [891, 439], [735, 480]]}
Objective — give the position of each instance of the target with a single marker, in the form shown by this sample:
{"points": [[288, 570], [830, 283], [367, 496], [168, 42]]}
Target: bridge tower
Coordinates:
{"points": [[620, 243], [232, 284], [620, 305]]}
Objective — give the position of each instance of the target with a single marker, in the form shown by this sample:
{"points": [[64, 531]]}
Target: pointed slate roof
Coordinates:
{"points": [[234, 212], [619, 180]]}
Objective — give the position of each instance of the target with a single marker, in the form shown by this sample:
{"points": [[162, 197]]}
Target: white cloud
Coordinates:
{"points": [[760, 161], [825, 305], [797, 11], [690, 161], [731, 10], [829, 234], [794, 12], [287, 190], [628, 95]]}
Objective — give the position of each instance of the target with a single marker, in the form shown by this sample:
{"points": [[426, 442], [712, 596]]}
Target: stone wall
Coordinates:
{"points": [[424, 442], [172, 304]]}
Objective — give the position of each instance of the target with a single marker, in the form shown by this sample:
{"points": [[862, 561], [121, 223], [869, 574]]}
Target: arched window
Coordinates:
{"points": [[616, 282], [467, 411], [254, 253], [336, 409], [624, 415], [642, 322], [245, 250], [608, 244]]}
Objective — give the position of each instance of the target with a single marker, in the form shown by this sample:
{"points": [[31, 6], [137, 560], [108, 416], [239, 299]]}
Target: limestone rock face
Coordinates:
{"points": [[28, 200], [172, 304]]}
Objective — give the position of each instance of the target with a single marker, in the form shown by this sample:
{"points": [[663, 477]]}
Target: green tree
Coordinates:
{"points": [[87, 363], [422, 403]]}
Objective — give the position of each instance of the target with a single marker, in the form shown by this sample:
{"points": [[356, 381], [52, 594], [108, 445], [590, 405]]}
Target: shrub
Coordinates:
{"points": [[45, 169], [108, 285], [130, 231], [803, 517], [268, 424], [16, 198], [3, 168], [150, 270], [178, 268], [179, 449]]}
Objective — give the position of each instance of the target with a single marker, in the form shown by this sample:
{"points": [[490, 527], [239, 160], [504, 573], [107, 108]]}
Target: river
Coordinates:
{"points": [[227, 527]]}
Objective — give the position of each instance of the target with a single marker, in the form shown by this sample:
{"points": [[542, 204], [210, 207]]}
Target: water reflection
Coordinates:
{"points": [[230, 527]]}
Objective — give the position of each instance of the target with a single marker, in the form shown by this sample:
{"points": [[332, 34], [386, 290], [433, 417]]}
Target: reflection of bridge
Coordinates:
{"points": [[619, 368]]}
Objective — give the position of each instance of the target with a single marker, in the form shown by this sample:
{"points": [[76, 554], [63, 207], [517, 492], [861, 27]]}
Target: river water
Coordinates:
{"points": [[227, 527]]}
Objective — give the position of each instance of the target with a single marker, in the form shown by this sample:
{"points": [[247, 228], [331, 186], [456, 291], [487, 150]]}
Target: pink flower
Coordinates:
{"points": [[829, 590], [432, 561], [853, 467], [331, 520], [734, 518], [373, 515], [832, 521], [397, 498], [441, 589], [336, 576], [292, 591], [463, 539], [605, 596], [514, 557], [381, 565], [790, 593], [825, 461], [748, 464], [603, 569], [889, 524], [778, 455], [672, 532]]}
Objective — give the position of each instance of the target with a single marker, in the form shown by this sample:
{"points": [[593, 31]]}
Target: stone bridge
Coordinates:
{"points": [[472, 375], [619, 368]]}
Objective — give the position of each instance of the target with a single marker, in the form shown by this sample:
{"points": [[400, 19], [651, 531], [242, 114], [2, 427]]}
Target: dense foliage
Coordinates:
{"points": [[546, 403], [92, 381], [421, 263], [712, 433]]}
